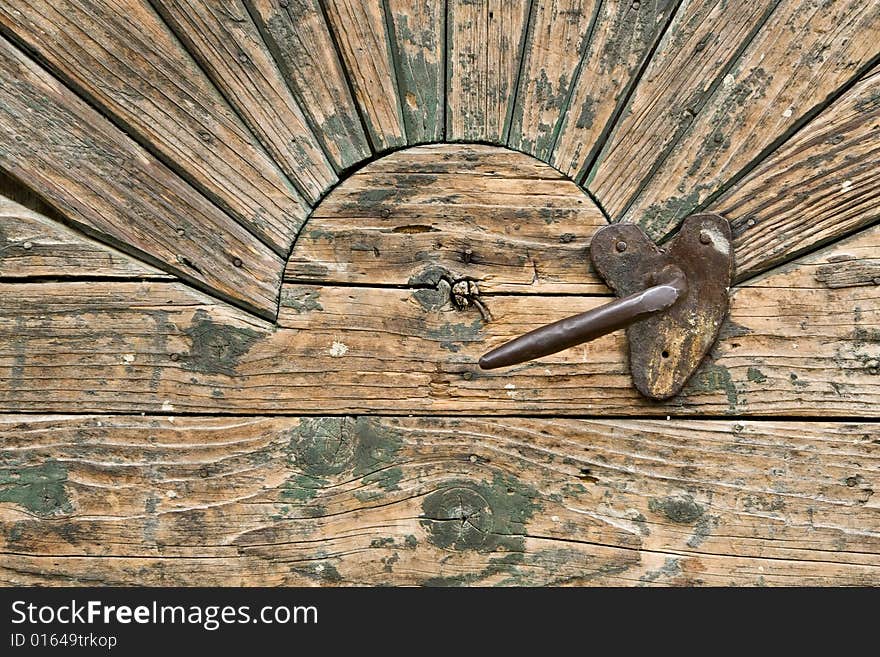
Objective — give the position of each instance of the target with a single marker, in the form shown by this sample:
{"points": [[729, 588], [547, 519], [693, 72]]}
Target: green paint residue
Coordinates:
{"points": [[451, 336], [756, 375], [40, 489], [712, 378], [480, 516], [216, 348]]}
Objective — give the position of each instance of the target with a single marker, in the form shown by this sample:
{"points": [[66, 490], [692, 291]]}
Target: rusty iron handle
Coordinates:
{"points": [[590, 325]]}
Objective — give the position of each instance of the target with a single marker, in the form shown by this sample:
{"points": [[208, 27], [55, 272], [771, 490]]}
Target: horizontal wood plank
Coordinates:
{"points": [[112, 189], [796, 343], [225, 41], [122, 56], [452, 501], [821, 185]]}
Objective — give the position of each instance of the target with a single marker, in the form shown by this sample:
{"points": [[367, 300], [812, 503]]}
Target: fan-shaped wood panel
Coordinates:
{"points": [[300, 220]]}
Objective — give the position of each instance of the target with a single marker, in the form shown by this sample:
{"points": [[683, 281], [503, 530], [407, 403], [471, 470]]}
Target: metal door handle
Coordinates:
{"points": [[673, 301], [575, 330]]}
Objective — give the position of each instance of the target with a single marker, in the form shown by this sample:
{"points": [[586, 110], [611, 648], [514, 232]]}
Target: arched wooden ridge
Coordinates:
{"points": [[250, 251]]}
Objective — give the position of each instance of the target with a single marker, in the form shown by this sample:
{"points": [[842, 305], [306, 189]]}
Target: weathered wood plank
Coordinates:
{"points": [[300, 39], [625, 33], [559, 31], [692, 59], [453, 211], [362, 35], [223, 38], [796, 343], [802, 55], [34, 246], [443, 501], [819, 186], [122, 55], [485, 40], [419, 43], [113, 189]]}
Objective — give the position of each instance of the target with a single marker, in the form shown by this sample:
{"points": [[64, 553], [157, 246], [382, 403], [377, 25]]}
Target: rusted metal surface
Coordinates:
{"points": [[673, 302], [590, 325], [666, 348]]}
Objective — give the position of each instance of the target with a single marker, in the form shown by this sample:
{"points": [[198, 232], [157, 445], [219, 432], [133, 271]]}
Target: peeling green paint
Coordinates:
{"points": [[505, 565], [681, 509], [302, 300], [451, 335], [712, 378], [480, 516], [755, 375], [216, 348], [41, 489]]}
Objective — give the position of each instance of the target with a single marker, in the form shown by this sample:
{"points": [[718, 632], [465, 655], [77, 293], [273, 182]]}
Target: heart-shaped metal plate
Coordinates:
{"points": [[665, 349]]}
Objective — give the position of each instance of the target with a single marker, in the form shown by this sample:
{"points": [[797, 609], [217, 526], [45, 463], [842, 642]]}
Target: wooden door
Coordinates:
{"points": [[251, 250]]}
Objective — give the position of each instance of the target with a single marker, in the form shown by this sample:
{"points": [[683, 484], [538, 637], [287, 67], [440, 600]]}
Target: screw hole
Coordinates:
{"points": [[665, 354]]}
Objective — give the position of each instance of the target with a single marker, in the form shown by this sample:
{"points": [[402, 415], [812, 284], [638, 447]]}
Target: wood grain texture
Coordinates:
{"points": [[624, 36], [34, 246], [300, 39], [798, 60], [419, 43], [114, 190], [819, 186], [559, 31], [439, 501], [692, 59], [223, 38], [801, 340], [485, 40], [453, 212], [121, 55], [361, 33]]}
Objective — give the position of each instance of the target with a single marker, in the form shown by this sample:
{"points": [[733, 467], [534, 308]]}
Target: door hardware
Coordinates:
{"points": [[673, 301]]}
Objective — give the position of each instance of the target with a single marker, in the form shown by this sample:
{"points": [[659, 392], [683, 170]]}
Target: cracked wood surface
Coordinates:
{"points": [[408, 271], [227, 44], [121, 56], [110, 187], [122, 500], [799, 58], [377, 316]]}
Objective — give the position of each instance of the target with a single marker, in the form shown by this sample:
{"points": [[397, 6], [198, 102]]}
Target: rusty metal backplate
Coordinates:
{"points": [[666, 348]]}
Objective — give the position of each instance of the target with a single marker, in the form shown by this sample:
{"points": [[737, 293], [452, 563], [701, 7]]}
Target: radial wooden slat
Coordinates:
{"points": [[798, 60], [225, 41], [559, 31], [361, 33], [819, 186], [384, 501], [35, 246], [483, 60], [300, 39], [123, 57], [623, 37], [419, 29], [112, 188], [691, 60]]}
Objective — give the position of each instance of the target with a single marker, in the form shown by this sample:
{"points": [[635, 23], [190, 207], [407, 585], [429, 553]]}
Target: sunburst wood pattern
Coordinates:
{"points": [[259, 213]]}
